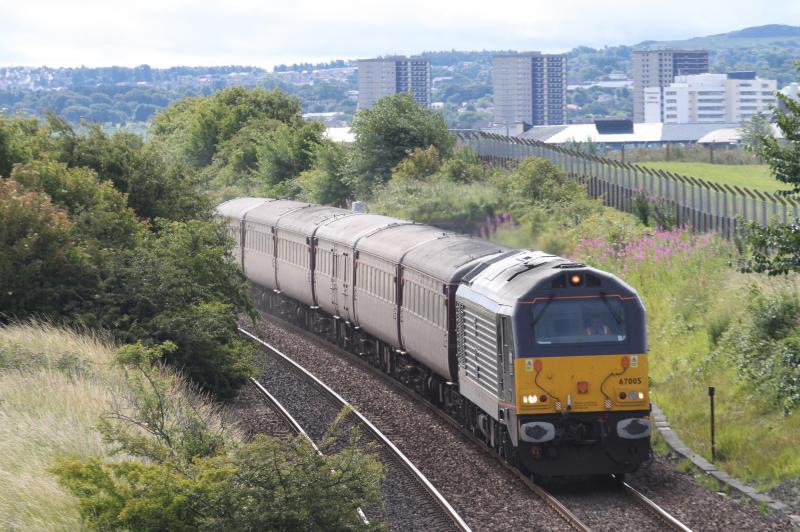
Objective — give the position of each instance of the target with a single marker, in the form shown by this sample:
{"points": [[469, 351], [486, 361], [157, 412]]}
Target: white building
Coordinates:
{"points": [[709, 98]]}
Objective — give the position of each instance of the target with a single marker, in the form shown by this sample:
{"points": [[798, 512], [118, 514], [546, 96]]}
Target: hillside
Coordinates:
{"points": [[772, 34], [769, 50], [462, 81]]}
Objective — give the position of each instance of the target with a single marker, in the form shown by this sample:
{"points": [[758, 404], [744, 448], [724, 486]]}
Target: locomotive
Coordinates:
{"points": [[543, 357]]}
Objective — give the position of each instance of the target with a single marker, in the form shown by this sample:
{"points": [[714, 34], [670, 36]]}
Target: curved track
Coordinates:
{"points": [[431, 510], [651, 516]]}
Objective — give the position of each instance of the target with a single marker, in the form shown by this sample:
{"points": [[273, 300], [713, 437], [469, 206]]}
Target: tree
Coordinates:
{"points": [[157, 187], [181, 286], [326, 181], [41, 267], [755, 129], [418, 165], [387, 132], [100, 212], [199, 126], [775, 249]]}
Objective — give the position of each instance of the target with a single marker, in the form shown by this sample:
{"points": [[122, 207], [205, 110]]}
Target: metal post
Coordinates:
{"points": [[713, 443]]}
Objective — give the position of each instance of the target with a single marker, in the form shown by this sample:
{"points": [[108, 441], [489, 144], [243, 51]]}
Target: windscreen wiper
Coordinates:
{"points": [[618, 319], [544, 307]]}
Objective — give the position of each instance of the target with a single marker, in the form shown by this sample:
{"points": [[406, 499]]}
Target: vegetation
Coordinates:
{"points": [[88, 238], [706, 327], [94, 439], [755, 176], [776, 249], [385, 134]]}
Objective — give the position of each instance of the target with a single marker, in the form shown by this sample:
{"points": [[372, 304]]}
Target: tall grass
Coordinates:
{"points": [[54, 385], [691, 291]]}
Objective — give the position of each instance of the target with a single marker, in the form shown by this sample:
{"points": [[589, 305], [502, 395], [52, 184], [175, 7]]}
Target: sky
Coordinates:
{"points": [[165, 33]]}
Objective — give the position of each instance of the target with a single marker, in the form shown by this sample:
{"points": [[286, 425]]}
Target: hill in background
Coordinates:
{"points": [[128, 97]]}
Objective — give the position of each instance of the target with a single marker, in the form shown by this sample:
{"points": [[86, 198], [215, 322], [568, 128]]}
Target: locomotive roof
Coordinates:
{"points": [[238, 207], [519, 275]]}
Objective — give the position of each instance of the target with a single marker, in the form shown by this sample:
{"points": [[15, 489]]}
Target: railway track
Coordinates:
{"points": [[641, 513], [406, 487]]}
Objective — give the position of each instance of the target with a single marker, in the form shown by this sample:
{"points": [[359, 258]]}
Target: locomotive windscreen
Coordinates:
{"points": [[578, 321]]}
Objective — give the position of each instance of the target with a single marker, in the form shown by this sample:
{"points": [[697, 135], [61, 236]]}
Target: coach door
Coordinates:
{"points": [[342, 279]]}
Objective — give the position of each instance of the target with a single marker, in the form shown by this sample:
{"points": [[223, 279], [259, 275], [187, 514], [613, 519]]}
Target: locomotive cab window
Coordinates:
{"points": [[579, 321]]}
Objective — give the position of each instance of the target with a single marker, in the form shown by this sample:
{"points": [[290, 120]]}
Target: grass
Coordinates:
{"points": [[54, 386], [742, 175], [686, 282]]}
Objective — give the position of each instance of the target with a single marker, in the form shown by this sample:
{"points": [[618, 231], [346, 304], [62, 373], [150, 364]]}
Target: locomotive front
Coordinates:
{"points": [[574, 344]]}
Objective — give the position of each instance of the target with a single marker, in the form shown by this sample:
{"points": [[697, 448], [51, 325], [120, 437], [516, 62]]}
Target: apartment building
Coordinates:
{"points": [[658, 68], [530, 87], [710, 98], [391, 75]]}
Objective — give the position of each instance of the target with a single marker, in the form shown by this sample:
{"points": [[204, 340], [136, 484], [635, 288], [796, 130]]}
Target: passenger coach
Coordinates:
{"points": [[545, 358]]}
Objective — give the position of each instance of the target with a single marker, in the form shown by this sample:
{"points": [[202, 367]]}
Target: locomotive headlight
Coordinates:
{"points": [[525, 399], [575, 279]]}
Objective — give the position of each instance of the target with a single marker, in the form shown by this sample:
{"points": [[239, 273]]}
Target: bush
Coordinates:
{"points": [[181, 286], [184, 471], [42, 268], [764, 342]]}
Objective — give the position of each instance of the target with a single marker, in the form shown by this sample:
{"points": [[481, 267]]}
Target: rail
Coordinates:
{"points": [[670, 521], [565, 513], [451, 513]]}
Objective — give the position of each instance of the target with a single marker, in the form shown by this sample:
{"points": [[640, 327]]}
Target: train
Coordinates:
{"points": [[544, 358]]}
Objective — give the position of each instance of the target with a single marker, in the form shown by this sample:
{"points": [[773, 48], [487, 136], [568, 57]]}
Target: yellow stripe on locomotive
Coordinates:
{"points": [[595, 383]]}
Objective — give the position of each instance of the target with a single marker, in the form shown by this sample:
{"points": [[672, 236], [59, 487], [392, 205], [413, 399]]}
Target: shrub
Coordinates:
{"points": [[184, 471]]}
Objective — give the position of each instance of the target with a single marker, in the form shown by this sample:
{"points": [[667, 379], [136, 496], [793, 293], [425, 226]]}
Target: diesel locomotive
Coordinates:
{"points": [[544, 358]]}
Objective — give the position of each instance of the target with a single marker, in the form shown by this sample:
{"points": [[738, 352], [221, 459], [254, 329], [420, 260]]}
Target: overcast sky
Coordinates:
{"points": [[203, 32]]}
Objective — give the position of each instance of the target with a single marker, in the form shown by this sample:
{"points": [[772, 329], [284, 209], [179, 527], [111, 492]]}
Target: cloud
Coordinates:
{"points": [[202, 32]]}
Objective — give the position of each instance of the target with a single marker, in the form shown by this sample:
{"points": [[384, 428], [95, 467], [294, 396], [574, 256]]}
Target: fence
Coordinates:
{"points": [[697, 203]]}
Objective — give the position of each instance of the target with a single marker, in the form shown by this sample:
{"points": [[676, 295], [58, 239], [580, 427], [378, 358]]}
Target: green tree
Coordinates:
{"points": [[756, 128], [386, 133], [42, 268], [181, 286], [157, 187], [418, 165], [464, 166], [775, 249], [100, 212], [288, 150], [326, 181], [199, 126]]}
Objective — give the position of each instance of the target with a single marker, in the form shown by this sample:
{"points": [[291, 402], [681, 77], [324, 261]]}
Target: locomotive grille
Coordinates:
{"points": [[478, 334], [461, 353]]}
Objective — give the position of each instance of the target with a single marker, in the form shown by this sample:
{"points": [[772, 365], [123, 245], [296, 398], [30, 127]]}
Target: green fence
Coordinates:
{"points": [[700, 204]]}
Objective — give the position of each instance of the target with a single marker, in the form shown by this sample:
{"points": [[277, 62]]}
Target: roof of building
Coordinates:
{"points": [[642, 133], [340, 134]]}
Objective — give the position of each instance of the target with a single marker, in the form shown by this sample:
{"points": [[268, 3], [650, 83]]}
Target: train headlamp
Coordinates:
{"points": [[575, 279]]}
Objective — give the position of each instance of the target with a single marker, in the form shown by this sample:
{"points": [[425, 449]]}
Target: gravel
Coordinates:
{"points": [[484, 493], [697, 507], [407, 505]]}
